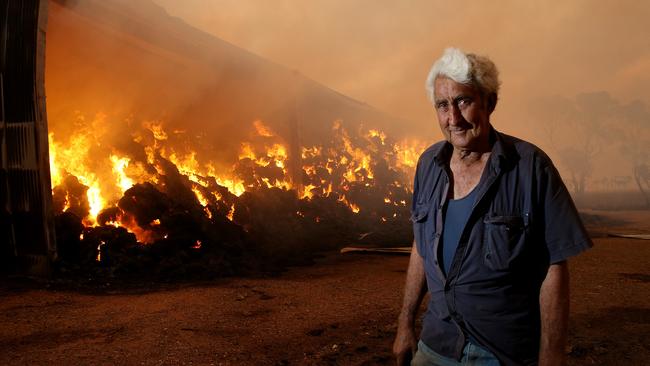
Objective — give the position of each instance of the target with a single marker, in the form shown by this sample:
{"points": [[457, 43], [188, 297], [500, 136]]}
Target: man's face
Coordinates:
{"points": [[463, 114]]}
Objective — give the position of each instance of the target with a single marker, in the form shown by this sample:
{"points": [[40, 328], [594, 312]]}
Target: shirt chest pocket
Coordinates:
{"points": [[423, 228], [504, 241]]}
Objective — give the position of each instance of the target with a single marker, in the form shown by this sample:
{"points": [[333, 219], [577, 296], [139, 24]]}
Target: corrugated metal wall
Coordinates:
{"points": [[26, 228]]}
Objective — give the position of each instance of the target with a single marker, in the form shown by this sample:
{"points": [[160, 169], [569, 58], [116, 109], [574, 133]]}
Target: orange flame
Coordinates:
{"points": [[231, 212], [337, 169]]}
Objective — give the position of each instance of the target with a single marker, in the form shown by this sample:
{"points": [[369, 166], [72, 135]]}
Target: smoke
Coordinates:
{"points": [[149, 114], [136, 63], [379, 52]]}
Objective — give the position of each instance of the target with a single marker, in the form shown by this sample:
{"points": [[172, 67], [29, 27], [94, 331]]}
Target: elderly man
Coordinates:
{"points": [[494, 225]]}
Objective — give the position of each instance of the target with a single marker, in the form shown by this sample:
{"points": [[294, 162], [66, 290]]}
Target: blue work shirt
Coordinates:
{"points": [[523, 220]]}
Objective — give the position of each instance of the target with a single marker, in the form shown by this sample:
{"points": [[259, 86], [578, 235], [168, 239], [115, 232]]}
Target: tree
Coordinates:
{"points": [[633, 132], [576, 129]]}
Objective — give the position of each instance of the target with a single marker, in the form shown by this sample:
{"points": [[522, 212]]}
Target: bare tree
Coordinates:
{"points": [[633, 133], [594, 113], [576, 129]]}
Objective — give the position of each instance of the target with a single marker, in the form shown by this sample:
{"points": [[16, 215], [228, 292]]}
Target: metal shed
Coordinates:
{"points": [[27, 241]]}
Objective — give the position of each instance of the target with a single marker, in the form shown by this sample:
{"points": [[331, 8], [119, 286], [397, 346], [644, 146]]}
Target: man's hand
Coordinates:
{"points": [[405, 344]]}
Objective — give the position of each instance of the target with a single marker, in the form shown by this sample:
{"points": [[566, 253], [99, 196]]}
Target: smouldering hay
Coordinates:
{"points": [[177, 218]]}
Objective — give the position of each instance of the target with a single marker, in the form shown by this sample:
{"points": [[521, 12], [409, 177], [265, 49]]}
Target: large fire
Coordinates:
{"points": [[207, 158], [367, 173]]}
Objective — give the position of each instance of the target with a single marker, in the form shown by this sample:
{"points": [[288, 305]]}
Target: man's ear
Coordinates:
{"points": [[491, 102]]}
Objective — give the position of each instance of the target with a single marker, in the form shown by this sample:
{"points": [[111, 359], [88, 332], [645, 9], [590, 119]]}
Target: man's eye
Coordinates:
{"points": [[441, 106], [464, 102]]}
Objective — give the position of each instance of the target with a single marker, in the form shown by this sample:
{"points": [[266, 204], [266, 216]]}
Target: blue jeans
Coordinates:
{"points": [[473, 355]]}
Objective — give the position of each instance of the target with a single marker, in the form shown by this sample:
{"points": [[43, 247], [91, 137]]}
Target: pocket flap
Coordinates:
{"points": [[510, 221]]}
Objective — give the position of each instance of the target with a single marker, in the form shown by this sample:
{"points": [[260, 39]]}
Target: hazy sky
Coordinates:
{"points": [[379, 51]]}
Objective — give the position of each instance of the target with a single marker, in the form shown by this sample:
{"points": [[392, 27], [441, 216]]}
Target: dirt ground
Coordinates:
{"points": [[340, 311]]}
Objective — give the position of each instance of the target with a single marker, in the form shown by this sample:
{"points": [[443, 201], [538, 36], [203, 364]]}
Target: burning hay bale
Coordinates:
{"points": [[71, 196], [116, 248], [173, 217], [145, 203], [69, 229], [150, 235], [93, 250], [290, 230]]}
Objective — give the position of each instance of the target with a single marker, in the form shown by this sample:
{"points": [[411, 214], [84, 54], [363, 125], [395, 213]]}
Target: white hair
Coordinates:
{"points": [[464, 68]]}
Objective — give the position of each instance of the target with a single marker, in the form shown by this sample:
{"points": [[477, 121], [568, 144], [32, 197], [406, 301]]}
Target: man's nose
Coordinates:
{"points": [[455, 117]]}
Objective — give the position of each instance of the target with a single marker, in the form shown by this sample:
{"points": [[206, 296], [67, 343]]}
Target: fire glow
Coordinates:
{"points": [[91, 179]]}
